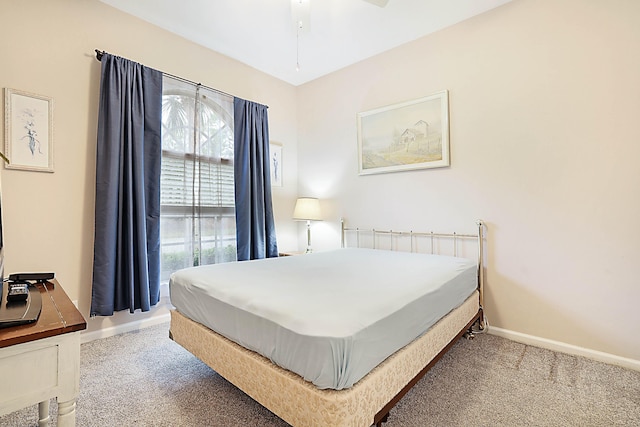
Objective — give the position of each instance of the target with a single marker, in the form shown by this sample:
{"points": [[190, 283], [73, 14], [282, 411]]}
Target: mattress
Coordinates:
{"points": [[330, 317]]}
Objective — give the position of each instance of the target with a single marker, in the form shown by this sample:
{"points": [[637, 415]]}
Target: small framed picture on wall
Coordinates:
{"points": [[275, 163], [28, 131]]}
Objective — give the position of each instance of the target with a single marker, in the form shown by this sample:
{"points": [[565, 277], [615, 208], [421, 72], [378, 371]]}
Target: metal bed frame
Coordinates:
{"points": [[432, 237]]}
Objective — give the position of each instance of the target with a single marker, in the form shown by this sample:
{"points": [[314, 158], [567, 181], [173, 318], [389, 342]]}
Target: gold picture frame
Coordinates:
{"points": [[405, 136], [28, 131]]}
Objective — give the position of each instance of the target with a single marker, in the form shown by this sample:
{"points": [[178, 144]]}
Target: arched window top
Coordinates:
{"points": [[198, 122]]}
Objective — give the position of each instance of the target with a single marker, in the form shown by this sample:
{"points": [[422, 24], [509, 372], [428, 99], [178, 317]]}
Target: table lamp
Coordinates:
{"points": [[307, 209]]}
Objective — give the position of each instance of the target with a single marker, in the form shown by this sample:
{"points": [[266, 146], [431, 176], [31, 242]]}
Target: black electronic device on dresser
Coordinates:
{"points": [[21, 302]]}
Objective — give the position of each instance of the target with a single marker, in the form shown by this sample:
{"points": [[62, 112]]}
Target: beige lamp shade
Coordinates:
{"points": [[307, 209]]}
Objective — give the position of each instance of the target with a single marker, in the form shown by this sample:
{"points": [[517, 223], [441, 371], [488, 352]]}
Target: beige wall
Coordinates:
{"points": [[545, 143], [47, 47]]}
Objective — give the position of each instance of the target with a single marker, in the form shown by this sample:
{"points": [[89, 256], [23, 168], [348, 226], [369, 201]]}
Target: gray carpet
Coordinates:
{"points": [[145, 379]]}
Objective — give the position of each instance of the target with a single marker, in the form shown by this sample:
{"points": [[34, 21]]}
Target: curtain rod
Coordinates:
{"points": [[100, 54]]}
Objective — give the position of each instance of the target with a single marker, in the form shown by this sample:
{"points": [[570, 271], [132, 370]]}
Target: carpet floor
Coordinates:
{"points": [[143, 378]]}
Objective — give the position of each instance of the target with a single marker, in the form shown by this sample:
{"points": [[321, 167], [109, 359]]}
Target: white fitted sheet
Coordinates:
{"points": [[330, 317]]}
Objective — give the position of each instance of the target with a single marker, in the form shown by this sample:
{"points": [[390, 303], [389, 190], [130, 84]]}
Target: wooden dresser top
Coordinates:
{"points": [[58, 316]]}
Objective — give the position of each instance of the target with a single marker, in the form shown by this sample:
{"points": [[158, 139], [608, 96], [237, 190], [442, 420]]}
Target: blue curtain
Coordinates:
{"points": [[126, 263], [255, 229]]}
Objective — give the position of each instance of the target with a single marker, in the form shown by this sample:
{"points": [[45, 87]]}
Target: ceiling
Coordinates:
{"points": [[336, 33]]}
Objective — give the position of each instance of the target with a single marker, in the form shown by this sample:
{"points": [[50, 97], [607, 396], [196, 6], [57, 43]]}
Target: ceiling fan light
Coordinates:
{"points": [[300, 13]]}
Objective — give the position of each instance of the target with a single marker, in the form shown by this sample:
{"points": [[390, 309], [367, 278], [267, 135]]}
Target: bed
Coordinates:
{"points": [[346, 355]]}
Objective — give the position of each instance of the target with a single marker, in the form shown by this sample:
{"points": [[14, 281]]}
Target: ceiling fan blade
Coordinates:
{"points": [[381, 3]]}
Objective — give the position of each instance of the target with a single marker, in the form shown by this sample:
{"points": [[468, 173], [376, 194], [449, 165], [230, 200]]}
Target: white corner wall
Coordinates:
{"points": [[544, 110]]}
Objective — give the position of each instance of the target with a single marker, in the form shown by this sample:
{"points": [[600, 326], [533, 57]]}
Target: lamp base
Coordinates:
{"points": [[309, 250]]}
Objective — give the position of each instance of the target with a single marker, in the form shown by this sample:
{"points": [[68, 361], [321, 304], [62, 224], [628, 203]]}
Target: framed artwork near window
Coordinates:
{"points": [[28, 131], [275, 163], [405, 136]]}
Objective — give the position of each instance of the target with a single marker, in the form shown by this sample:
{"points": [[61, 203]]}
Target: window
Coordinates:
{"points": [[197, 224]]}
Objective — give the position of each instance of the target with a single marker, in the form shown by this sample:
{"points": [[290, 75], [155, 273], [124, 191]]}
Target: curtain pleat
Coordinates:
{"points": [[126, 265], [255, 229]]}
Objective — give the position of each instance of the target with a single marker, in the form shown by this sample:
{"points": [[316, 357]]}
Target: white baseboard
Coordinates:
{"points": [[125, 327], [566, 348]]}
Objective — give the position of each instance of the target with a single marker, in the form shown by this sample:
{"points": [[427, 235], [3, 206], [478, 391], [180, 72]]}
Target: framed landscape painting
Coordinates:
{"points": [[405, 136]]}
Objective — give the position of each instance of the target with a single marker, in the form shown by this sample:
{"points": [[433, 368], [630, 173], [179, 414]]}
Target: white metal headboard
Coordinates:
{"points": [[432, 237]]}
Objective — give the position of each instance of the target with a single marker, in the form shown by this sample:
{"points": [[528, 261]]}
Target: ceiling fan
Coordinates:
{"points": [[381, 3], [300, 15]]}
